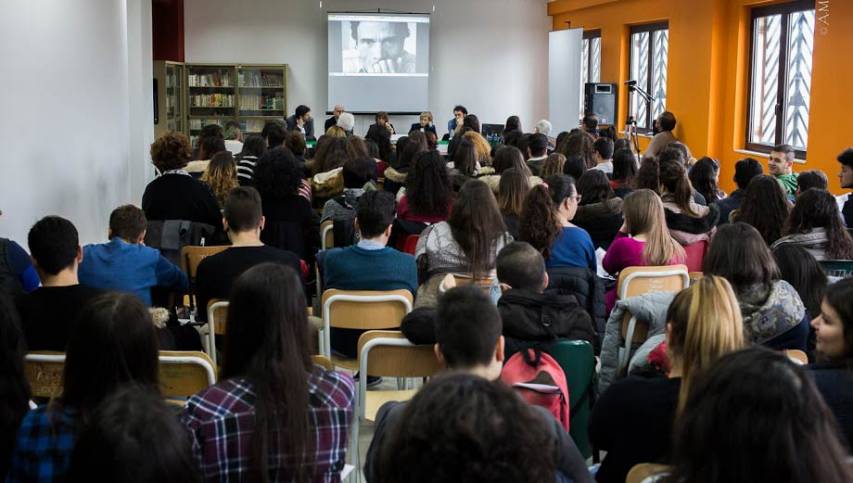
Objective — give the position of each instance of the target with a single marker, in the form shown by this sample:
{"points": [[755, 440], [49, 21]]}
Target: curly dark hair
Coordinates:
{"points": [[765, 207], [578, 142], [278, 174], [461, 427], [331, 153], [428, 185], [171, 151], [816, 208], [539, 225]]}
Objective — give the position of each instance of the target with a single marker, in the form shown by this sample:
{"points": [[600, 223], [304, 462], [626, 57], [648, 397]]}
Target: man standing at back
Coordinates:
{"points": [[781, 166], [243, 222]]}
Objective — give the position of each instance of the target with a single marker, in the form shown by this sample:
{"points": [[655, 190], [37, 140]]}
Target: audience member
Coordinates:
{"points": [[543, 126], [290, 222], [113, 344], [531, 317], [800, 269], [208, 147], [465, 164], [336, 115], [481, 146], [302, 121], [537, 151], [811, 179], [274, 133], [513, 123], [554, 164], [125, 264], [333, 132], [704, 177], [424, 123], [632, 420], [295, 142], [507, 157], [579, 143], [253, 148], [244, 222], [48, 314], [778, 427], [643, 239], [17, 274], [624, 172], [133, 437], [764, 207], [429, 194], [833, 374], [648, 176], [575, 166], [14, 402], [175, 195], [221, 176], [815, 224], [233, 137], [773, 314], [512, 191], [600, 211], [467, 243], [589, 124], [346, 122], [603, 155], [331, 153], [369, 264], [358, 175], [688, 222], [845, 202], [546, 224], [745, 170], [780, 165], [297, 415]]}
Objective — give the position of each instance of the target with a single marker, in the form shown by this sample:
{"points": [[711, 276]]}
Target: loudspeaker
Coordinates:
{"points": [[600, 99]]}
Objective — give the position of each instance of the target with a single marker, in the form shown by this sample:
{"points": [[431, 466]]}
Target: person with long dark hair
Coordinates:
{"points": [[274, 415], [773, 314], [14, 389], [578, 143], [600, 211], [512, 191], [114, 343], [253, 148], [745, 170], [546, 223], [508, 157], [815, 224], [624, 172], [429, 195], [800, 269], [833, 373], [465, 164], [688, 221], [777, 426], [704, 176], [764, 206]]}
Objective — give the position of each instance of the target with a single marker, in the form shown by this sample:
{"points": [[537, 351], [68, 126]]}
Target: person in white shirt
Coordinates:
{"points": [[233, 137], [603, 155]]}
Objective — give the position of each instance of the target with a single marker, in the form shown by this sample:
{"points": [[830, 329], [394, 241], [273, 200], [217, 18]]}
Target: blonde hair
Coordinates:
{"points": [[336, 132], [426, 114], [704, 324], [553, 165], [643, 210], [221, 175], [483, 148]]}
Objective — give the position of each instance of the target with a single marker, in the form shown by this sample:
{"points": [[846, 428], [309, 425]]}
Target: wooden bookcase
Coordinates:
{"points": [[170, 100]]}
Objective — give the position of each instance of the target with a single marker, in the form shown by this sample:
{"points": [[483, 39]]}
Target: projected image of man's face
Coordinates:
{"points": [[381, 47]]}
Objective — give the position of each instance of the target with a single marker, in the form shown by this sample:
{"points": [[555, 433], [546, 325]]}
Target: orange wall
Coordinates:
{"points": [[708, 71]]}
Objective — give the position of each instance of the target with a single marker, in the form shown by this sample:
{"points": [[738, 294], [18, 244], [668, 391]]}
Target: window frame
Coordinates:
{"points": [[589, 35], [651, 28], [783, 9]]}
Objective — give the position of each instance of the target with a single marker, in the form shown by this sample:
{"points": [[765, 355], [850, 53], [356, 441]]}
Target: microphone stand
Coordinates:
{"points": [[631, 125]]}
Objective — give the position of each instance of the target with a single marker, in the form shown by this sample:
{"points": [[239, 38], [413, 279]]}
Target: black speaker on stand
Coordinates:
{"points": [[600, 99]]}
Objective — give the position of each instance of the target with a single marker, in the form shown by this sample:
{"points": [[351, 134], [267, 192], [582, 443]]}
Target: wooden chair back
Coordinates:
{"points": [[323, 362], [644, 470], [43, 370], [327, 235], [184, 373], [389, 358], [365, 309], [634, 281], [192, 255]]}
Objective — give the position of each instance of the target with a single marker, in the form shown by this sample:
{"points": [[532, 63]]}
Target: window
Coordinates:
{"points": [[590, 62], [781, 76], [648, 63]]}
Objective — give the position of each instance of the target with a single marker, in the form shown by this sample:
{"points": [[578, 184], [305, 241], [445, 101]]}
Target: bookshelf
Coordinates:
{"points": [[170, 97], [250, 94]]}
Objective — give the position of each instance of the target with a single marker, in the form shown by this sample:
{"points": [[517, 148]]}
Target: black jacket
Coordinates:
{"points": [[688, 224], [601, 220], [529, 316], [587, 289], [417, 127]]}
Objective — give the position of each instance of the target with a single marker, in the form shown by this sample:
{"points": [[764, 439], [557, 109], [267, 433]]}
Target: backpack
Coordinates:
{"points": [[540, 380]]}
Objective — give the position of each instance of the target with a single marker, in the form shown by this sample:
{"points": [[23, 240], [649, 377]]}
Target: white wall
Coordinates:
{"points": [[72, 140], [490, 55]]}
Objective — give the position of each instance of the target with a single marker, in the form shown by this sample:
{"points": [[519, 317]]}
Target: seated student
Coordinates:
{"points": [[512, 190], [764, 207], [704, 177], [125, 264], [677, 153], [546, 224], [804, 273], [604, 155], [780, 165], [295, 142], [49, 312], [811, 179], [777, 428], [270, 393], [845, 202], [233, 137], [624, 172], [600, 210], [370, 264], [134, 437], [745, 170], [773, 314], [429, 195], [17, 274], [274, 133], [632, 420], [221, 176], [465, 164], [253, 148], [114, 344], [537, 151], [688, 222], [175, 195], [833, 374], [16, 390], [244, 222], [579, 143], [815, 224], [530, 315], [208, 147], [554, 164], [358, 175], [468, 341]]}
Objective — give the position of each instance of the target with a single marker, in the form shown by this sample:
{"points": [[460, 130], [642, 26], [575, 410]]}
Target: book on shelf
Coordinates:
{"points": [[261, 102], [211, 79], [197, 124], [212, 100], [254, 78], [253, 126]]}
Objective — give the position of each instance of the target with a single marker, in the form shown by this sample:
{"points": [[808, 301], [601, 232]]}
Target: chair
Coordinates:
{"points": [[363, 310], [645, 470], [578, 362], [695, 277], [837, 269], [43, 370], [327, 235], [323, 362], [184, 373], [191, 257], [461, 279], [695, 254], [634, 281], [217, 311], [797, 356]]}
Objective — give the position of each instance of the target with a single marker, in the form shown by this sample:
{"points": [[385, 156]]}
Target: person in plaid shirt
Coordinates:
{"points": [[114, 343], [270, 387]]}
